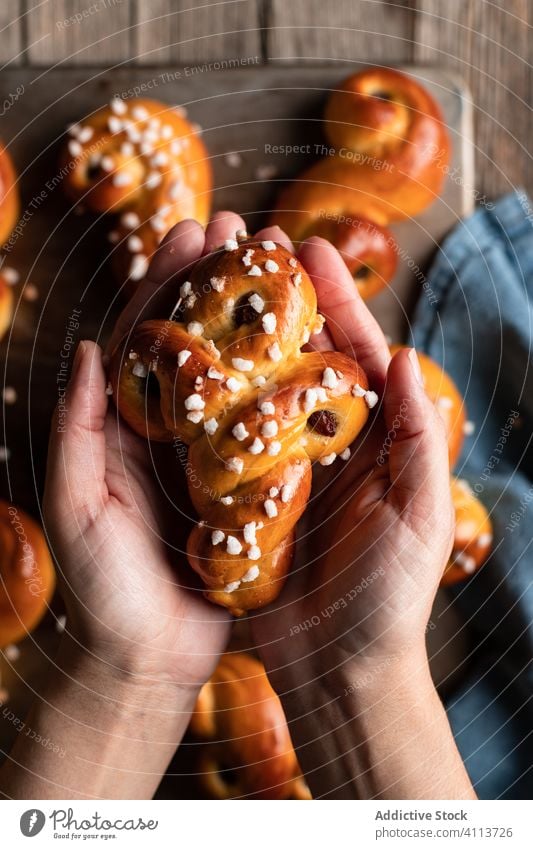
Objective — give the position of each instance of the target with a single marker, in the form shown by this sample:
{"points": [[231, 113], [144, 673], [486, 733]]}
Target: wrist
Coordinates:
{"points": [[132, 687], [362, 676], [346, 720], [117, 734]]}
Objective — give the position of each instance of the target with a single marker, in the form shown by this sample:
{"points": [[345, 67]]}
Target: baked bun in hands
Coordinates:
{"points": [[473, 534], [9, 195], [392, 150], [228, 377], [144, 162], [27, 574], [248, 749]]}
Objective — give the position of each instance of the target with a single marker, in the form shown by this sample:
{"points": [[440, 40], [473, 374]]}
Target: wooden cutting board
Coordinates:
{"points": [[244, 113]]}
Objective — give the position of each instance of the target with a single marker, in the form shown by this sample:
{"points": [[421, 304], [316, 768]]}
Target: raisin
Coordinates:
{"points": [[244, 312], [382, 95], [323, 422], [152, 386], [362, 273]]}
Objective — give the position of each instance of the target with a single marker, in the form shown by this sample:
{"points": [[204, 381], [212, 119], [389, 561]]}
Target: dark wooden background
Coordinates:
{"points": [[488, 42]]}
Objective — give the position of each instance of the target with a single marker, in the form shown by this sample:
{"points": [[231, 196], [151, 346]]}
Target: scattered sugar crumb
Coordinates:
{"points": [[233, 159], [30, 292], [265, 172]]}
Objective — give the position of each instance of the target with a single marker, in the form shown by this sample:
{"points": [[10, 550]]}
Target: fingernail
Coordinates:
{"points": [[80, 352], [415, 365]]}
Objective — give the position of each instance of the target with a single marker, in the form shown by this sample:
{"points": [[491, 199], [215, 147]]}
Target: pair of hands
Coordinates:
{"points": [[117, 531]]}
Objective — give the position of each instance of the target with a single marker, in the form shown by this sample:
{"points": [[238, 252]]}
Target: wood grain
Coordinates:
{"points": [[11, 27], [78, 32], [192, 32], [367, 30], [489, 45]]}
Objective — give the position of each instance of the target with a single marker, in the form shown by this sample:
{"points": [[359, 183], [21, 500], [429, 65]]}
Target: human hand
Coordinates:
{"points": [[115, 529], [344, 643], [140, 639], [377, 532]]}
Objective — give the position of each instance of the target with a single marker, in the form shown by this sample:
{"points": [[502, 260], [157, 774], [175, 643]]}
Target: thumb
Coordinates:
{"points": [[418, 459], [75, 478]]}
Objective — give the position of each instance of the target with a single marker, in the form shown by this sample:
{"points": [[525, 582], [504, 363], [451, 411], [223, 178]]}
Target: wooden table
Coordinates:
{"points": [[486, 41]]}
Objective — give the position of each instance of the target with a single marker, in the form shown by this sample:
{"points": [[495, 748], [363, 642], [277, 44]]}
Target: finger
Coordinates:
{"points": [[353, 328], [222, 226], [418, 460], [275, 234], [75, 480], [180, 248]]}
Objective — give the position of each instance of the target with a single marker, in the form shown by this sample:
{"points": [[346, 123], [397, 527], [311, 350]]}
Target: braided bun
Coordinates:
{"points": [[27, 574], [391, 154], [443, 392], [144, 162], [231, 382], [473, 534], [248, 749], [9, 196]]}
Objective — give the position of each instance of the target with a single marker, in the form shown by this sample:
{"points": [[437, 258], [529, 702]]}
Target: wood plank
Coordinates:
{"points": [[78, 32], [193, 33], [366, 30], [489, 45], [11, 24]]}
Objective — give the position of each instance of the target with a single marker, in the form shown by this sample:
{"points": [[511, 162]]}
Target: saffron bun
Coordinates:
{"points": [[9, 195], [443, 392], [27, 571], [229, 378], [248, 750], [145, 163], [473, 534], [391, 152], [369, 251], [6, 301]]}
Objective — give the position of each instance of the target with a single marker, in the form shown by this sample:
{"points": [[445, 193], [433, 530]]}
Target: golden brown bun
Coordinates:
{"points": [[6, 305], [473, 534], [148, 165], [392, 150], [28, 576], [251, 446], [248, 749], [9, 195], [443, 392], [368, 250], [386, 115]]}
